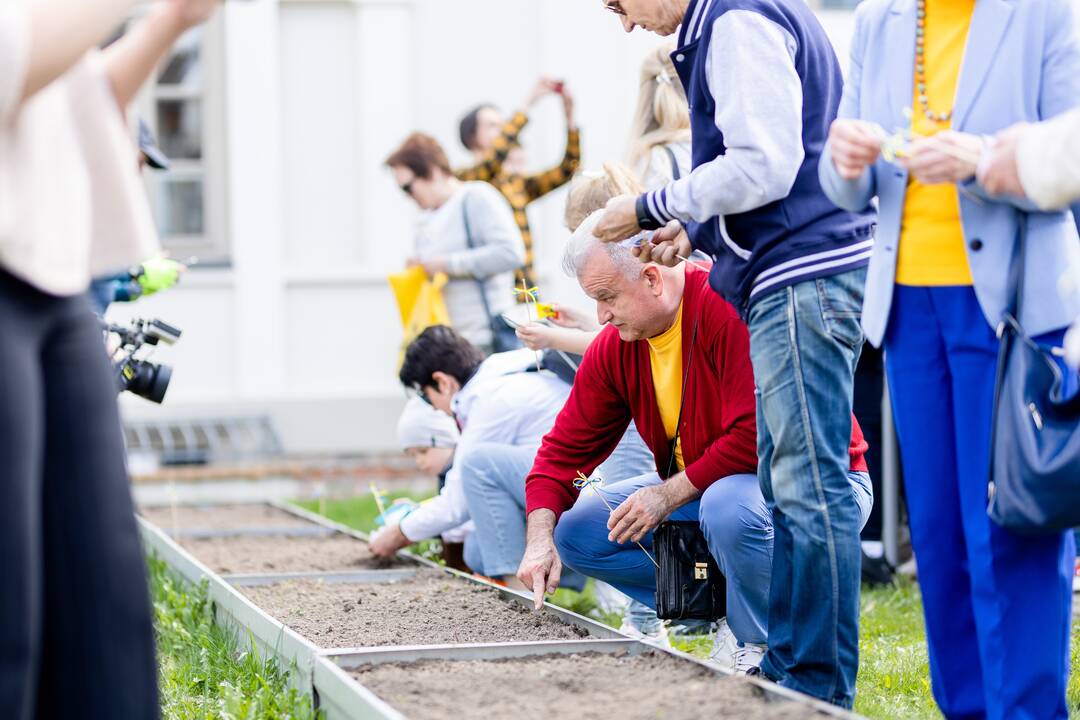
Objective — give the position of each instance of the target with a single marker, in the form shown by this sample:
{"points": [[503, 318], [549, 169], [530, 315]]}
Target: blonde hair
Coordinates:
{"points": [[662, 115], [591, 191]]}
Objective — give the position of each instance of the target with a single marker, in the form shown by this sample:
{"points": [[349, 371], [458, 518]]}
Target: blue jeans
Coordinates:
{"points": [[734, 520], [805, 341], [997, 604], [494, 479]]}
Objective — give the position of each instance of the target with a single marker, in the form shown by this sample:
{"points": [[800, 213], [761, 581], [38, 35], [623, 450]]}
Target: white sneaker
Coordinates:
{"points": [[729, 655], [724, 647], [657, 637], [748, 658]]}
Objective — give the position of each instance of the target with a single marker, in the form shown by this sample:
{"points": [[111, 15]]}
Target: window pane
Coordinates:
{"points": [[184, 66], [180, 207], [179, 126]]}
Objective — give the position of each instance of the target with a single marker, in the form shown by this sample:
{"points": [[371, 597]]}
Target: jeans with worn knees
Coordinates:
{"points": [[805, 342]]}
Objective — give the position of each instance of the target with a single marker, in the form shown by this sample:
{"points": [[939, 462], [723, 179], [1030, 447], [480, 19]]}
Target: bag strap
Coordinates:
{"points": [[479, 283], [682, 402], [675, 173], [1016, 270]]}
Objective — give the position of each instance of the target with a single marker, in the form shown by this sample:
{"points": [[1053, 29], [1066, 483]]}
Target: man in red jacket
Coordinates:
{"points": [[675, 359]]}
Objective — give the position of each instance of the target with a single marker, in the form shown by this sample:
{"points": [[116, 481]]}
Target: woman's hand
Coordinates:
{"points": [[572, 318], [855, 145], [948, 157], [537, 336]]}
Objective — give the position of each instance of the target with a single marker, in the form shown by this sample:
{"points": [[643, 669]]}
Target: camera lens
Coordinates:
{"points": [[146, 379]]}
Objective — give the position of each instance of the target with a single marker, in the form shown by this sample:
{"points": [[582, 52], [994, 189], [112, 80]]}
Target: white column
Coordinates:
{"points": [[254, 195]]}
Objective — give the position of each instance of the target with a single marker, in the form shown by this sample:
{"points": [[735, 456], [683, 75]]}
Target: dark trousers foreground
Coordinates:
{"points": [[76, 639]]}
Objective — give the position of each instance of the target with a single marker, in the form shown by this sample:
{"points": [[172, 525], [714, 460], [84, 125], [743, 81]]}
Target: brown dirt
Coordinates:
{"points": [[222, 517], [589, 686], [429, 609], [280, 553]]}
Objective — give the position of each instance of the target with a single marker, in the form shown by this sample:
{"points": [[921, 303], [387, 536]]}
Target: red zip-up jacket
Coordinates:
{"points": [[614, 384]]}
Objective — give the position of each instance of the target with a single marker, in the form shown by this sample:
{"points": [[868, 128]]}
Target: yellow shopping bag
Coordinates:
{"points": [[420, 302]]}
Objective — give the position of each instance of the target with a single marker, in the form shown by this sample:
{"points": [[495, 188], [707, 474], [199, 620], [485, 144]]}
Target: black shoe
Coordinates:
{"points": [[876, 571]]}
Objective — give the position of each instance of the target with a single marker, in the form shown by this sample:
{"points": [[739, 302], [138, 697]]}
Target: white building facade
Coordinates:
{"points": [[278, 117]]}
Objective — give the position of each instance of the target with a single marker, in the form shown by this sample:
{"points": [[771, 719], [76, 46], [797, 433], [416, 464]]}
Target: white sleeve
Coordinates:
{"points": [[752, 78], [1048, 161], [487, 424], [443, 512], [14, 55]]}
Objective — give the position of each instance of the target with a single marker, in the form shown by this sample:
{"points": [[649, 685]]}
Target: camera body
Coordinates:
{"points": [[138, 375]]}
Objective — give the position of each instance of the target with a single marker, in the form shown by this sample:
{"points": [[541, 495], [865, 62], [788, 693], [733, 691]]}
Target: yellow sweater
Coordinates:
{"points": [[931, 237], [665, 359]]}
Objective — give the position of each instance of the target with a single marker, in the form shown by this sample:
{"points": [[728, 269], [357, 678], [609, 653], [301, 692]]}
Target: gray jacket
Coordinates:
{"points": [[497, 251]]}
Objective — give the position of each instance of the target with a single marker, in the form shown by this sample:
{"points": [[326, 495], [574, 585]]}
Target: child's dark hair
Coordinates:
{"points": [[438, 349]]}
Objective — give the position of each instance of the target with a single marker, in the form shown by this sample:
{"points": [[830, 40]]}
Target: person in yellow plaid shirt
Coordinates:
{"points": [[500, 160]]}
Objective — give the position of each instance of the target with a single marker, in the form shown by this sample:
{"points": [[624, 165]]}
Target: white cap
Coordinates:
{"points": [[421, 425]]}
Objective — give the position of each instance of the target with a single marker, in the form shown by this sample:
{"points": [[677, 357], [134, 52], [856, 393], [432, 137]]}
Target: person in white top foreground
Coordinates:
{"points": [[76, 633], [504, 408]]}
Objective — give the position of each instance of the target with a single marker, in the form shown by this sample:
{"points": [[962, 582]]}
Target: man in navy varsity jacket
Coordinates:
{"points": [[763, 85]]}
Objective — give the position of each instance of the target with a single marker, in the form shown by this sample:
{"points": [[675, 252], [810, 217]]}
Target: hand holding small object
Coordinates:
{"points": [[855, 145], [668, 246], [387, 540], [947, 157]]}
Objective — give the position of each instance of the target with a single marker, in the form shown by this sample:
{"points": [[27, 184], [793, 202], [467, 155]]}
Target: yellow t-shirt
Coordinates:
{"points": [[665, 358], [931, 238]]}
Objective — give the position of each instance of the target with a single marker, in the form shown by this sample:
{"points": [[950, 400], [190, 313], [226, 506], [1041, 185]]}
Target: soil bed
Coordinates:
{"points": [[222, 517], [589, 686], [264, 554], [428, 609]]}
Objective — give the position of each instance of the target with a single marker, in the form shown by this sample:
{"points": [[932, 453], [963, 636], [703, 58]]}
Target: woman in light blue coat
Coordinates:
{"points": [[997, 604]]}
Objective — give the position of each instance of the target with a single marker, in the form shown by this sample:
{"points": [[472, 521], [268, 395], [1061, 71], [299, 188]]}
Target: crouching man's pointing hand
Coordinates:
{"points": [[540, 567]]}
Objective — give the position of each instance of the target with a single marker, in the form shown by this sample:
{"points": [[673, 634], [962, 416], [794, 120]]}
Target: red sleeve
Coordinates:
{"points": [[735, 449], [586, 431], [858, 447]]}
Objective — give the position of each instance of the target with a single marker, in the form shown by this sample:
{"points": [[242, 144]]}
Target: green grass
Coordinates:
{"points": [[894, 678], [360, 512], [204, 673]]}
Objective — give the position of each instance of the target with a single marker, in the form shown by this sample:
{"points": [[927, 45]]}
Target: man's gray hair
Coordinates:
{"points": [[583, 243]]}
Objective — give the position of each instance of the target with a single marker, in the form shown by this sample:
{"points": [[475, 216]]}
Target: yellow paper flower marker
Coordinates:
{"points": [[531, 296], [596, 483], [545, 311]]}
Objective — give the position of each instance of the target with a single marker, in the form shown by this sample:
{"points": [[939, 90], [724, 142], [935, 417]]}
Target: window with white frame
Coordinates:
{"points": [[183, 106]]}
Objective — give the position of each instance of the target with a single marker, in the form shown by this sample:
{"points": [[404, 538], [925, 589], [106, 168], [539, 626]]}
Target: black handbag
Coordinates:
{"points": [[503, 335], [689, 584], [1034, 484]]}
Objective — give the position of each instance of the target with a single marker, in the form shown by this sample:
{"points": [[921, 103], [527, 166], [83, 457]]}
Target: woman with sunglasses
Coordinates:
{"points": [[468, 232]]}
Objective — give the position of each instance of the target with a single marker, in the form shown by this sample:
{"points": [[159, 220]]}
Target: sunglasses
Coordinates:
{"points": [[407, 187], [615, 7]]}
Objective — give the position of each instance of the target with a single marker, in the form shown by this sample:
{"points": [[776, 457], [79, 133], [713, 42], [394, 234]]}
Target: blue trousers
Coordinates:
{"points": [[735, 521], [804, 343], [997, 604]]}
